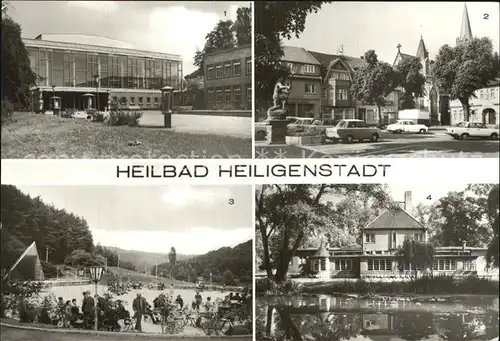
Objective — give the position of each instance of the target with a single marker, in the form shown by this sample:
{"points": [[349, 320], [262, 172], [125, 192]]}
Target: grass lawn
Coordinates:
{"points": [[32, 136]]}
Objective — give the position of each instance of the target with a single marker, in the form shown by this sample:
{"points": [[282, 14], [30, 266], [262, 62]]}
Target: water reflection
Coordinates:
{"points": [[339, 318]]}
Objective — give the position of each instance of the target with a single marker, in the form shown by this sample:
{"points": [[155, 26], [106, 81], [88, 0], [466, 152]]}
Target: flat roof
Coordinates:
{"points": [[220, 51], [98, 49]]}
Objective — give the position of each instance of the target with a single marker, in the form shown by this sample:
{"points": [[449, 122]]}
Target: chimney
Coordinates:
{"points": [[408, 204], [464, 245]]}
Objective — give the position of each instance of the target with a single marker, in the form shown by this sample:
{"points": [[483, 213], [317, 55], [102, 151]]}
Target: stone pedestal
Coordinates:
{"points": [[276, 131]]}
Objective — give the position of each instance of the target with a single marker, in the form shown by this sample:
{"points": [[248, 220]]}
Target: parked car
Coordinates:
{"points": [[407, 126], [320, 125], [300, 122], [350, 130], [467, 130]]}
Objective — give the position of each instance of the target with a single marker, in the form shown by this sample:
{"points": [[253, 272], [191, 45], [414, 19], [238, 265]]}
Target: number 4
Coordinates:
{"points": [[429, 197]]}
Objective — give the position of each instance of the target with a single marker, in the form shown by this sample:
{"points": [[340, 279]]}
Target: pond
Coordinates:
{"points": [[332, 318]]}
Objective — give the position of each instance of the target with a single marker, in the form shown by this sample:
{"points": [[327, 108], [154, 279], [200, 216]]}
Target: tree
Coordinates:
{"points": [[416, 254], [492, 254], [463, 220], [465, 68], [172, 257], [227, 277], [411, 79], [17, 76], [276, 20], [221, 37], [82, 258], [374, 81], [287, 216], [243, 26]]}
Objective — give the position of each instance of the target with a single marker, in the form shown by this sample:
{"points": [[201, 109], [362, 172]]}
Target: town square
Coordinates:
{"points": [[410, 87]]}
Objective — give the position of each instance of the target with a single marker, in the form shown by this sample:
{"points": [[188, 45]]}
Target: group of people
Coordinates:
{"points": [[70, 314]]}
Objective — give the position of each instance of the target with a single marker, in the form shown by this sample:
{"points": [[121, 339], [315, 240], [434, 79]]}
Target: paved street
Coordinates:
{"points": [[11, 334], [202, 124], [432, 145]]}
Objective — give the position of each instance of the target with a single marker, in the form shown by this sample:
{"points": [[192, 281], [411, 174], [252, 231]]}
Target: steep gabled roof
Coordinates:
{"points": [[197, 73], [322, 252], [395, 218], [298, 55], [325, 60]]}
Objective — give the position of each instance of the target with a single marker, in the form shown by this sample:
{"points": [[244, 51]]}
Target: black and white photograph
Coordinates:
{"points": [[126, 79], [376, 79], [92, 263], [404, 262]]}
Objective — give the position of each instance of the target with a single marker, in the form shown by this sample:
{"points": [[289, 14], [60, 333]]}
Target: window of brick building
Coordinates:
{"points": [[236, 68]]}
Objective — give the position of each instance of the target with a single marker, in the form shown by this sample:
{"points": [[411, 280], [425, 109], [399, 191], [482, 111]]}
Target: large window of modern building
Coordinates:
{"points": [[78, 69]]}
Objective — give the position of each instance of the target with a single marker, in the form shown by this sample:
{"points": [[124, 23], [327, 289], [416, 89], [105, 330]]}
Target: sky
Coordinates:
{"points": [[381, 26], [177, 27], [195, 220]]}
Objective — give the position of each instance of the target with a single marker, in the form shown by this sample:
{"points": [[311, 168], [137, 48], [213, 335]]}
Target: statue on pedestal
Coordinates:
{"points": [[280, 99]]}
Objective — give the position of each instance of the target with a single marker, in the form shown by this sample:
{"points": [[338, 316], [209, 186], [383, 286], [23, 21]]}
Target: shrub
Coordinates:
{"points": [[117, 288], [120, 117], [7, 111], [68, 113], [95, 115], [48, 309], [50, 270]]}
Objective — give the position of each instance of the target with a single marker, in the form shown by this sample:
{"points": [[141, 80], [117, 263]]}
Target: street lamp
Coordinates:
{"points": [[53, 99], [166, 105], [96, 78], [95, 276]]}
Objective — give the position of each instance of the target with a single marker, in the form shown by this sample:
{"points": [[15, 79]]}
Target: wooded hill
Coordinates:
{"points": [[26, 220], [227, 265]]}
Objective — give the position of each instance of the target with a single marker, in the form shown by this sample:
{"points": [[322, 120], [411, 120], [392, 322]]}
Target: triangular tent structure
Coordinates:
{"points": [[27, 266]]}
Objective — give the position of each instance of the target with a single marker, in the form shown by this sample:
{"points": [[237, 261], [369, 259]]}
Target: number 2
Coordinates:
{"points": [[486, 16]]}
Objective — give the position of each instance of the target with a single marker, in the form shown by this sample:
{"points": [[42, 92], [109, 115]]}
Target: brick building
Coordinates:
{"points": [[320, 87], [228, 79], [305, 95]]}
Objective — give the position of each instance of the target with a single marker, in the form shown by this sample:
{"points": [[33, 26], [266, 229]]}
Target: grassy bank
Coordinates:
{"points": [[442, 285], [31, 136]]}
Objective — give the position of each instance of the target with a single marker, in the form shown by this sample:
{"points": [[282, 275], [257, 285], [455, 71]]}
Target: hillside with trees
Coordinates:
{"points": [[230, 266], [25, 220]]}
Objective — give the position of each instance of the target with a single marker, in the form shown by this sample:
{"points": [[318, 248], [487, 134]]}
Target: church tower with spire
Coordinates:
{"points": [[465, 30]]}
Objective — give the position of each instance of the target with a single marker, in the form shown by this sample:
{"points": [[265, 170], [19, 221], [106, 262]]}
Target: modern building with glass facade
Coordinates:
{"points": [[89, 71]]}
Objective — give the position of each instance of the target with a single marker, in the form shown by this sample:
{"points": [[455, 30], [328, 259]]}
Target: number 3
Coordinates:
{"points": [[231, 201]]}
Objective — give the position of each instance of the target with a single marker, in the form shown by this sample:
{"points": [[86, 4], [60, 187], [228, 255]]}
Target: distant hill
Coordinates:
{"points": [[238, 260], [143, 259]]}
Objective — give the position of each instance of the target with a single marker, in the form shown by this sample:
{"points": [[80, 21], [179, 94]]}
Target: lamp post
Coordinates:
{"points": [[96, 78], [53, 99], [95, 276], [166, 105]]}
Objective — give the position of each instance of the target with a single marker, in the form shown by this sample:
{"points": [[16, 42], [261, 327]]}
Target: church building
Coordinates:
{"points": [[485, 104]]}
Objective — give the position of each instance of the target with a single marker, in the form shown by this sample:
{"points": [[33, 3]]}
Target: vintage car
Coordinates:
{"points": [[300, 122], [320, 125], [407, 126], [297, 123], [467, 130], [350, 130]]}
